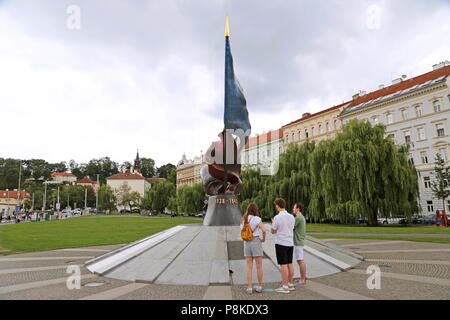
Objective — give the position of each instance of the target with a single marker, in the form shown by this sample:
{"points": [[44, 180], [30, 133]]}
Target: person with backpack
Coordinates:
{"points": [[252, 228]]}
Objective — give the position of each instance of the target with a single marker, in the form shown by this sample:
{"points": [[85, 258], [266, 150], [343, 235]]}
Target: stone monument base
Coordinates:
{"points": [[223, 211]]}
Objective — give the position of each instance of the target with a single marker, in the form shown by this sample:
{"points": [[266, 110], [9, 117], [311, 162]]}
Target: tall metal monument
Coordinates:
{"points": [[220, 176]]}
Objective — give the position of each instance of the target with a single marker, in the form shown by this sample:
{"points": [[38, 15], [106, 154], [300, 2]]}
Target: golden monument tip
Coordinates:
{"points": [[227, 28]]}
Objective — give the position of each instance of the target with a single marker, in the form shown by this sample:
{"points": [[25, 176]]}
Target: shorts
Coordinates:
{"points": [[298, 253], [253, 248], [284, 254]]}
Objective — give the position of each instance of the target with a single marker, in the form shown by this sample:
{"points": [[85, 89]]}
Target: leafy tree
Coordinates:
{"points": [[106, 198], [172, 205], [104, 167], [164, 170], [191, 199], [362, 173], [172, 177], [440, 187], [132, 200], [148, 167], [157, 197]]}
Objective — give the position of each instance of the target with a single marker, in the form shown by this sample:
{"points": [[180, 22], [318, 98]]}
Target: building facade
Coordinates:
{"points": [[188, 171], [9, 200], [63, 177], [317, 127], [416, 113], [87, 182], [263, 151]]}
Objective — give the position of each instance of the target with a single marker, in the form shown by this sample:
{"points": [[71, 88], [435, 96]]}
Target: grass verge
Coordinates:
{"points": [[81, 232]]}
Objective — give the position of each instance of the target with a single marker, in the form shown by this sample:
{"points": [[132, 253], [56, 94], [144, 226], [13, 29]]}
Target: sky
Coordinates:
{"points": [[84, 79]]}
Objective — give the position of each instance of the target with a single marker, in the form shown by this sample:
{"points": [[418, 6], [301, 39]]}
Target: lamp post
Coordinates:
{"points": [[96, 194]]}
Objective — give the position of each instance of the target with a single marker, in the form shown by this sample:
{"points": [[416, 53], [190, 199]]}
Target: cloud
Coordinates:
{"points": [[149, 74]]}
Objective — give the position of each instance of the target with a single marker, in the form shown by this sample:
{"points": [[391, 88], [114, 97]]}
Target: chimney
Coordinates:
{"points": [[381, 86], [355, 96], [307, 114]]}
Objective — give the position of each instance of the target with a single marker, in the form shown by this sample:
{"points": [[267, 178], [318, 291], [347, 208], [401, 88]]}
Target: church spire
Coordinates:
{"points": [[137, 162]]}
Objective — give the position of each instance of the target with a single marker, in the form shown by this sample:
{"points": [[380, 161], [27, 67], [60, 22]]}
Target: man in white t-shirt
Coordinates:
{"points": [[283, 226]]}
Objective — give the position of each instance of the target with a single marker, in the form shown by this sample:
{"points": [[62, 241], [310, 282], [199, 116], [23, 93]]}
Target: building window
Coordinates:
{"points": [[313, 131], [328, 127], [390, 118], [430, 206], [287, 138], [336, 125], [299, 135], [427, 182], [306, 134], [293, 136], [424, 157], [418, 111], [376, 120], [405, 114], [321, 129], [411, 159], [443, 153], [440, 130], [408, 137], [437, 106], [421, 134]]}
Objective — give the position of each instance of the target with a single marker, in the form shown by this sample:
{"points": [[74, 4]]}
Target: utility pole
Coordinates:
{"points": [[96, 194], [20, 176], [45, 195], [85, 197], [58, 205]]}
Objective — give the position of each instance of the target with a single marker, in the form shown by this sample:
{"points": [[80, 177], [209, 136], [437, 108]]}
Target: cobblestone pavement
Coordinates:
{"points": [[409, 270]]}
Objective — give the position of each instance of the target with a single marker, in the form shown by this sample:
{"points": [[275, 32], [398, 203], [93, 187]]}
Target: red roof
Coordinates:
{"points": [[406, 84], [62, 174], [126, 176], [4, 194], [265, 138], [309, 116], [153, 180], [86, 180]]}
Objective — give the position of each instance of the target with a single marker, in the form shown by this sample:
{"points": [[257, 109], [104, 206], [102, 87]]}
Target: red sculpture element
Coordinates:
{"points": [[213, 174]]}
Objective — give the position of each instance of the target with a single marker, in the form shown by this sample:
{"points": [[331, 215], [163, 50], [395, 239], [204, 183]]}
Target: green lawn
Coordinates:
{"points": [[82, 232], [382, 229]]}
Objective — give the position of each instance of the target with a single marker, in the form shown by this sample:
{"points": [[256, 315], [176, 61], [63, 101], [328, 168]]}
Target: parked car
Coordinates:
{"points": [[429, 219], [136, 211], [125, 211], [361, 220]]}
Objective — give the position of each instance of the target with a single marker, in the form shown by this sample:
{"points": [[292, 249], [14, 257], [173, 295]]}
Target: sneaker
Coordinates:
{"points": [[291, 287], [258, 289], [282, 290], [249, 291]]}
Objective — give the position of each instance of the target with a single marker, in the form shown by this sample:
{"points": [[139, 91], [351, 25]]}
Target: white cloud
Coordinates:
{"points": [[149, 75]]}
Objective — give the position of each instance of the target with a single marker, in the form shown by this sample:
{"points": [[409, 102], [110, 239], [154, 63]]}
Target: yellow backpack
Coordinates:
{"points": [[246, 231]]}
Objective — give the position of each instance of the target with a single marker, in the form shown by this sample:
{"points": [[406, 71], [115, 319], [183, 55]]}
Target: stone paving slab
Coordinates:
{"points": [[391, 289], [24, 277], [165, 292], [440, 271], [60, 291]]}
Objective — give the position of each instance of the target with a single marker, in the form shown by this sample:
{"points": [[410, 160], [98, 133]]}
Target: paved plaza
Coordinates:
{"points": [[410, 270]]}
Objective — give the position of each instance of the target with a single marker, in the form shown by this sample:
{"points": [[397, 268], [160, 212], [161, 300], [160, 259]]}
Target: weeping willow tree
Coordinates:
{"points": [[361, 174], [291, 182]]}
